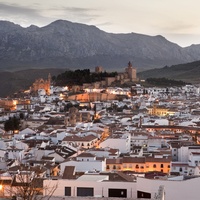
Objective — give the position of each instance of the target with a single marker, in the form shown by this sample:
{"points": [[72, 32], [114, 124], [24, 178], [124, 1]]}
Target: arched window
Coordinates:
{"points": [[107, 167], [137, 166], [114, 166], [161, 165], [154, 166]]}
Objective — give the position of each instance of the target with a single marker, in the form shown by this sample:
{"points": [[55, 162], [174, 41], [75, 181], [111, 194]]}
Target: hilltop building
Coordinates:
{"points": [[131, 72], [42, 84], [98, 69], [129, 75]]}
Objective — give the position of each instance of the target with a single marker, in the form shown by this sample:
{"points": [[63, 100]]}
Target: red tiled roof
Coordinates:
{"points": [[84, 154], [114, 161], [79, 139]]}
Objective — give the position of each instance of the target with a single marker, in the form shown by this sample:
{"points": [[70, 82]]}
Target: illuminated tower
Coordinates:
{"points": [[131, 72]]}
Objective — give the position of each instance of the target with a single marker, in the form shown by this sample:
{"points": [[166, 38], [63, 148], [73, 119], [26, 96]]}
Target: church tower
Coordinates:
{"points": [[42, 84], [48, 84], [131, 72], [49, 79]]}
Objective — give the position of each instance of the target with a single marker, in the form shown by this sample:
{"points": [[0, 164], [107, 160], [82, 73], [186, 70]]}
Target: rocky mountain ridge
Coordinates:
{"points": [[63, 44]]}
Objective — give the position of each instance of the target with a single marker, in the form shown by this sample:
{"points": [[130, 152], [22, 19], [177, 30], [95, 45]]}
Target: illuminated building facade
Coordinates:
{"points": [[41, 84], [139, 164]]}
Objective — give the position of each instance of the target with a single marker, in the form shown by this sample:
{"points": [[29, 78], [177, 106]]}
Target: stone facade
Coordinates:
{"points": [[131, 72], [41, 84], [94, 96], [98, 69], [74, 116]]}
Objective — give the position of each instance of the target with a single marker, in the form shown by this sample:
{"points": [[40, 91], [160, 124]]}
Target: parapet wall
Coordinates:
{"points": [[87, 97], [88, 198]]}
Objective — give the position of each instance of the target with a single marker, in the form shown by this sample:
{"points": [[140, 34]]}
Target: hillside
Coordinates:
{"points": [[188, 72], [64, 44], [12, 82]]}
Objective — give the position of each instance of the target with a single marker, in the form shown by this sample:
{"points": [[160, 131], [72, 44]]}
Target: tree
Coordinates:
{"points": [[28, 184], [12, 124], [8, 125], [21, 115]]}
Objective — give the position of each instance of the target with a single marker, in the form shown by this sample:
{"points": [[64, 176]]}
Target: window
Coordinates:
{"points": [[81, 191], [180, 170], [137, 166], [161, 166], [143, 195], [67, 191], [117, 192], [114, 166], [154, 166], [107, 167]]}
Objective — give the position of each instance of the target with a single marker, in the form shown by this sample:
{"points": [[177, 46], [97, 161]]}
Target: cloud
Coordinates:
{"points": [[15, 9], [78, 9], [104, 24], [79, 14], [21, 14], [183, 39], [40, 16], [179, 27]]}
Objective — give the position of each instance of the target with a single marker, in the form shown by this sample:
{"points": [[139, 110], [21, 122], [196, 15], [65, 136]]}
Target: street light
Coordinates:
{"points": [[1, 190]]}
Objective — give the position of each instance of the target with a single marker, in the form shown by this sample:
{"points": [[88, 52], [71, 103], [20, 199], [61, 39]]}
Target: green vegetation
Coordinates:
{"points": [[188, 72], [12, 124], [79, 77], [164, 82]]}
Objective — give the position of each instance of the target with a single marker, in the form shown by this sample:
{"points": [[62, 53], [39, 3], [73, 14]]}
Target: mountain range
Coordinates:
{"points": [[63, 44], [30, 53]]}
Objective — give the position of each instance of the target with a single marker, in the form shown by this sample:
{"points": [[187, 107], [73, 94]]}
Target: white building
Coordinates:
{"points": [[188, 161], [139, 139], [85, 162], [174, 189], [93, 185], [121, 143]]}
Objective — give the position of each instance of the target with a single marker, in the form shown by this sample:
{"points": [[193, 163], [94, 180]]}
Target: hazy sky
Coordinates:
{"points": [[177, 20]]}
